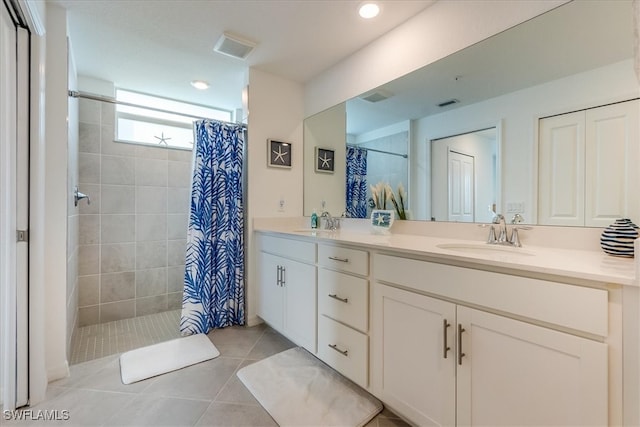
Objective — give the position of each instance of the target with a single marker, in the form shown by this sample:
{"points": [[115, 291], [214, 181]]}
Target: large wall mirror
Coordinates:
{"points": [[480, 108]]}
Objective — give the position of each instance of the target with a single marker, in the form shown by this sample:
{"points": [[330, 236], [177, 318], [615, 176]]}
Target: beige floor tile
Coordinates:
{"points": [[201, 381], [159, 411], [231, 415], [270, 343]]}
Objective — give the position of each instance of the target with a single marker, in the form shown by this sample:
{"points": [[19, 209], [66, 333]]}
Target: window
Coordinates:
{"points": [[159, 121]]}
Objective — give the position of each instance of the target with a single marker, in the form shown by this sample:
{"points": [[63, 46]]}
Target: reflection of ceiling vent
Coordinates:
{"points": [[377, 95], [233, 45], [447, 103]]}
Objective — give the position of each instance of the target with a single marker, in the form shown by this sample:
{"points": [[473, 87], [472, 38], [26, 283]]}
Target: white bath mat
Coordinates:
{"points": [[299, 390], [147, 362]]}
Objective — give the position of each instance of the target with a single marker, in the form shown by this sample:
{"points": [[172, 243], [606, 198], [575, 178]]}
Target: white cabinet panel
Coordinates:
{"points": [[344, 259], [299, 284], [344, 349], [344, 298], [561, 170], [612, 140], [270, 299], [514, 373], [287, 291], [413, 370]]}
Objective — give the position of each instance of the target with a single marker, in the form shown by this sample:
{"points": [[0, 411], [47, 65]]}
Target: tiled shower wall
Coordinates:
{"points": [[132, 236]]}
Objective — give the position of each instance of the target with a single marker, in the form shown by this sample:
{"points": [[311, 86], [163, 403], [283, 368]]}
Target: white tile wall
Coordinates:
{"points": [[133, 234]]}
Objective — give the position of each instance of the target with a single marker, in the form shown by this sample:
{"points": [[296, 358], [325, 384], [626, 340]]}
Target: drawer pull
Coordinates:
{"points": [[335, 258], [342, 352], [446, 347], [460, 353], [334, 296]]}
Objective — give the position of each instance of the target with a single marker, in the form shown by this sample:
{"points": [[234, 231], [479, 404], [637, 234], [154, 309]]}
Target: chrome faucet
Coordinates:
{"points": [[503, 235], [330, 223]]}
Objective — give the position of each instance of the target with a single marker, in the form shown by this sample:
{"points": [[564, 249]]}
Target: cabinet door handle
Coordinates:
{"points": [[334, 296], [335, 258], [283, 277], [460, 353], [446, 347], [342, 352], [278, 275]]}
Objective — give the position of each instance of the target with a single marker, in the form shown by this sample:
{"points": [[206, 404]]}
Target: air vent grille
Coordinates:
{"points": [[377, 96], [447, 103], [234, 46]]}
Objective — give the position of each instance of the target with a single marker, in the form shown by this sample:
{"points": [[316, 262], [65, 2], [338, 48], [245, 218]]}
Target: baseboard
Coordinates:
{"points": [[58, 372], [253, 321]]}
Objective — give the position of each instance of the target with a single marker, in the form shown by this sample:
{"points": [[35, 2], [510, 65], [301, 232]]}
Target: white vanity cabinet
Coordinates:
{"points": [[457, 357], [343, 311], [287, 288]]}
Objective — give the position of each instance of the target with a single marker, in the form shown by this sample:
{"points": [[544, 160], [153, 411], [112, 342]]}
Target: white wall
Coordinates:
{"points": [[55, 212], [438, 31], [519, 113], [37, 321], [275, 111]]}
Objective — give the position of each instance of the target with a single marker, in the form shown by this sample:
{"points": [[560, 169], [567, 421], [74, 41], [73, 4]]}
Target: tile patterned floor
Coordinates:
{"points": [[206, 394], [104, 339]]}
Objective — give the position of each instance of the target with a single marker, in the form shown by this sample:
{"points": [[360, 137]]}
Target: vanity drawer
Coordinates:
{"points": [[344, 259], [344, 349], [344, 298], [289, 248], [566, 305]]}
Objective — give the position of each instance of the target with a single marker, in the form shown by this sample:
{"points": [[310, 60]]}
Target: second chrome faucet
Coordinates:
{"points": [[504, 237]]}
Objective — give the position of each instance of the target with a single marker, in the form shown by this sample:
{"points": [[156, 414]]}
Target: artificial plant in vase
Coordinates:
{"points": [[381, 193]]}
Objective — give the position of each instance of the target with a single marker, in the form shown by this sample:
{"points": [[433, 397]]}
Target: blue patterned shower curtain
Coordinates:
{"points": [[356, 199], [214, 272]]}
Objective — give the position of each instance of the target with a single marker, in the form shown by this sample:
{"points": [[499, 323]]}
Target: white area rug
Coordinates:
{"points": [[157, 359], [299, 390]]}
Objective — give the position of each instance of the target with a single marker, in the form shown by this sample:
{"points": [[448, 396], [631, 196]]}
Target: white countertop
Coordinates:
{"points": [[569, 263]]}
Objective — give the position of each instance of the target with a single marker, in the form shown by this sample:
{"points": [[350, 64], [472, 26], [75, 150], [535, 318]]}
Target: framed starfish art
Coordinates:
{"points": [[325, 160], [278, 154]]}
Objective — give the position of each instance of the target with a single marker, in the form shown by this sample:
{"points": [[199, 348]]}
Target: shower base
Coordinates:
{"points": [[103, 339]]}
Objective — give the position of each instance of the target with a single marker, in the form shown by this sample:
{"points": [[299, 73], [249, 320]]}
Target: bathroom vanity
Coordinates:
{"points": [[456, 332]]}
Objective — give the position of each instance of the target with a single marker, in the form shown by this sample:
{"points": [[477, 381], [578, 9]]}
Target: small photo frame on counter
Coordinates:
{"points": [[278, 154], [325, 160]]}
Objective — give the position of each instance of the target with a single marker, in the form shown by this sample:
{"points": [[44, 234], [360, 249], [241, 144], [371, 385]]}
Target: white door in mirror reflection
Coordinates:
{"points": [[461, 181]]}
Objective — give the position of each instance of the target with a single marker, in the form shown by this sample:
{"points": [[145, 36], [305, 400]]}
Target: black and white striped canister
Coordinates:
{"points": [[617, 239]]}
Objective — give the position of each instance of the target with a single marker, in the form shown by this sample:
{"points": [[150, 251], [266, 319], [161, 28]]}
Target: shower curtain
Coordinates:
{"points": [[214, 272], [356, 198]]}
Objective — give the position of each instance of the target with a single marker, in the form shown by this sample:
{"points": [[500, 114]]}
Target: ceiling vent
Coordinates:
{"points": [[234, 46], [377, 96], [447, 103]]}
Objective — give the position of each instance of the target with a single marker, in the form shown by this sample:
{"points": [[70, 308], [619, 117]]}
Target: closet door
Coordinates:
{"points": [[561, 183], [612, 159]]}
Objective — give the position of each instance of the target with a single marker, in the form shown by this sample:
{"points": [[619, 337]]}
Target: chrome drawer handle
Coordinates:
{"points": [[446, 347], [342, 352], [460, 353], [335, 258], [334, 296]]}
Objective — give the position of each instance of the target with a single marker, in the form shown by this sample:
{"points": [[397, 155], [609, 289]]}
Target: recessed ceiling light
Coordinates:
{"points": [[200, 84], [369, 10]]}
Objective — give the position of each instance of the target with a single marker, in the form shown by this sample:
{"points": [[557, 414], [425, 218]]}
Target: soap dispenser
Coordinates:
{"points": [[314, 219]]}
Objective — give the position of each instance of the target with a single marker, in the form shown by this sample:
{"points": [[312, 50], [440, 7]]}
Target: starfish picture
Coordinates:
{"points": [[279, 155], [162, 139], [326, 161]]}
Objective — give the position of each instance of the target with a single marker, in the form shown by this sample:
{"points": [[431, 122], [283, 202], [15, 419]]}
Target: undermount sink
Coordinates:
{"points": [[485, 249]]}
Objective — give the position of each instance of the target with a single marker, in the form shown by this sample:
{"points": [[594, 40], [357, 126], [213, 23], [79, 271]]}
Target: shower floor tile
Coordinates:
{"points": [[104, 339]]}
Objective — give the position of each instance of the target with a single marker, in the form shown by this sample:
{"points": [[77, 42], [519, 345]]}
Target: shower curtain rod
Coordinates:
{"points": [[102, 98], [379, 151]]}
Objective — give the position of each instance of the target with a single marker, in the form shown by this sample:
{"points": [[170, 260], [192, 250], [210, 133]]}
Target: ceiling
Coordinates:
{"points": [[158, 47]]}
